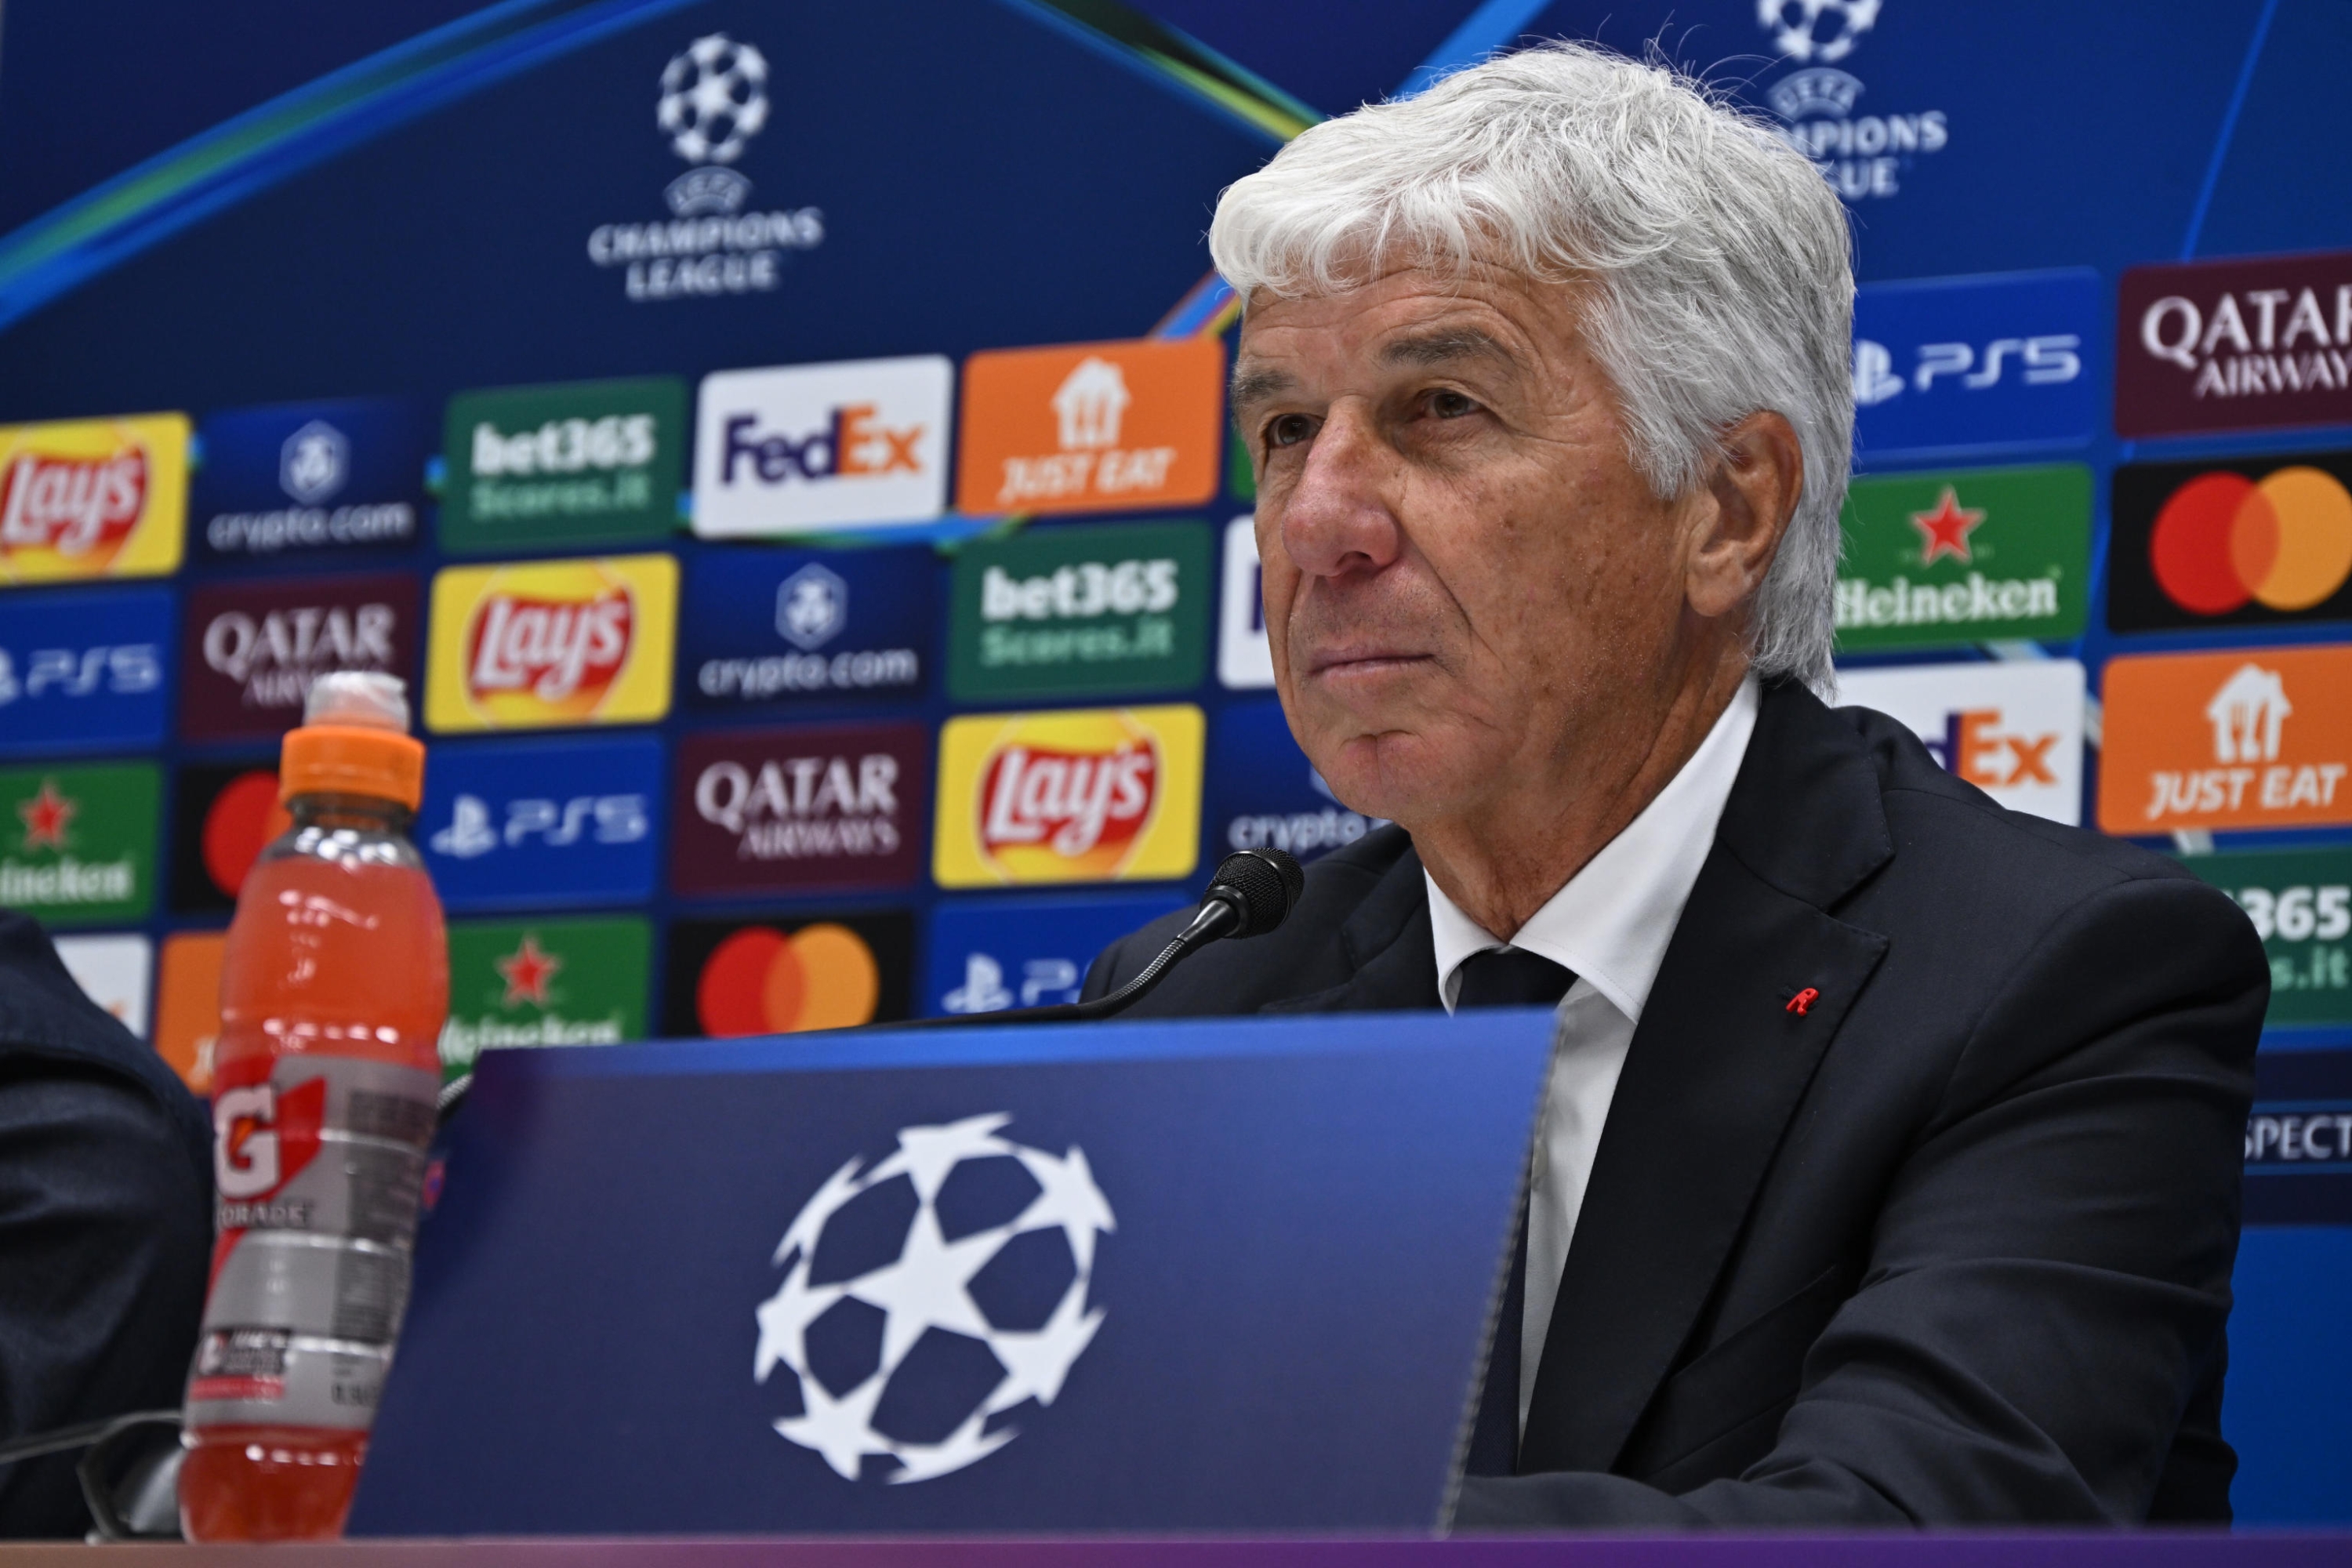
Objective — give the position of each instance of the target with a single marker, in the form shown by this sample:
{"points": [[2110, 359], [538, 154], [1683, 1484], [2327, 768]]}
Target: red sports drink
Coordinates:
{"points": [[333, 990]]}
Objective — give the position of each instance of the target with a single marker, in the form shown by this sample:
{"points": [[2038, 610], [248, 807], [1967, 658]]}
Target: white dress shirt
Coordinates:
{"points": [[1609, 926]]}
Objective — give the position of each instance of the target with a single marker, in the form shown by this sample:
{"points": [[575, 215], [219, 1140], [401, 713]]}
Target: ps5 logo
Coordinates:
{"points": [[125, 671], [609, 818], [1043, 980], [2052, 360]]}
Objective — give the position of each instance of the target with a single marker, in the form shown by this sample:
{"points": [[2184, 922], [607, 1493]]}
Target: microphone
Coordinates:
{"points": [[1253, 892]]}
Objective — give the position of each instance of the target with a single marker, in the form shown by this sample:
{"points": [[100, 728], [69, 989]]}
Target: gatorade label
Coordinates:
{"points": [[317, 1166]]}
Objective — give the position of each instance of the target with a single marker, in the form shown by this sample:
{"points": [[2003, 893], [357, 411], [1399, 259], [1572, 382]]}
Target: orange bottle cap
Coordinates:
{"points": [[355, 740], [346, 759]]}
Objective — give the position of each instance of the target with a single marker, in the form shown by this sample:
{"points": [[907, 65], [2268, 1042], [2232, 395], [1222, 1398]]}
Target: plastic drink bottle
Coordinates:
{"points": [[334, 986]]}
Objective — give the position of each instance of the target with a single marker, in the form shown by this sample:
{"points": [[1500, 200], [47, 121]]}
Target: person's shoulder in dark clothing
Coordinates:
{"points": [[105, 1224]]}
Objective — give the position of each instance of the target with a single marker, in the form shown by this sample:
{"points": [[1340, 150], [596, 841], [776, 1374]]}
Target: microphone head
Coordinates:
{"points": [[1263, 885]]}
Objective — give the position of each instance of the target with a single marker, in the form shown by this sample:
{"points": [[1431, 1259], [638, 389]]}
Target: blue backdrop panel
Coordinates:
{"points": [[1302, 1231]]}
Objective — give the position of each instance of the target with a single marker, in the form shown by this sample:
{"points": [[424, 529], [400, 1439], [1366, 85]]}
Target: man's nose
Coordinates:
{"points": [[1339, 518]]}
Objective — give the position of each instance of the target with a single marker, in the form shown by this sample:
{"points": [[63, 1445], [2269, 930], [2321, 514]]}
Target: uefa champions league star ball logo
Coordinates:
{"points": [[1798, 33], [930, 1295], [714, 100]]}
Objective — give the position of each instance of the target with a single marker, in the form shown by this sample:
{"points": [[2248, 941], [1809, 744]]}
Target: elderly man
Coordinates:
{"points": [[1888, 1168]]}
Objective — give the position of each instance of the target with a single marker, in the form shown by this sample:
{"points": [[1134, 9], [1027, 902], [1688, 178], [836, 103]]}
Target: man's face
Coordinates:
{"points": [[1468, 584]]}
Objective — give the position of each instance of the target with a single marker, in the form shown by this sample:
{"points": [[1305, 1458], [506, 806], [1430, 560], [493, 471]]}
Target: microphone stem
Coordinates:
{"points": [[1215, 920]]}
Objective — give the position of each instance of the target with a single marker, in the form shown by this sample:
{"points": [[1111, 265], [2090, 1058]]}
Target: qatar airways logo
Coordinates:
{"points": [[72, 505], [2234, 345], [548, 648], [1073, 803], [2254, 343]]}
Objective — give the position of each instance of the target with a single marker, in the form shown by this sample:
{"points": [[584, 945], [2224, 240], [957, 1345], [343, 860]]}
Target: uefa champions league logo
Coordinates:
{"points": [[1797, 31], [932, 1294], [714, 100]]}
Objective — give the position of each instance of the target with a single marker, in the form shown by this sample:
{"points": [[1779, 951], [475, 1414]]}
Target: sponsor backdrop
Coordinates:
{"points": [[784, 449]]}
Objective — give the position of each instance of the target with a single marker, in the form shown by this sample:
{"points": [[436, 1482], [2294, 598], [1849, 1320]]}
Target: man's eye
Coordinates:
{"points": [[1289, 429], [1450, 404]]}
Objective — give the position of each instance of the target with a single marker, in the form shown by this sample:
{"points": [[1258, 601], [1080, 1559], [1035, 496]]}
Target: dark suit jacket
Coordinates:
{"points": [[1951, 1247], [106, 1225]]}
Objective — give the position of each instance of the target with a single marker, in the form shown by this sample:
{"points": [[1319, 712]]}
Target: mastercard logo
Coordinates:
{"points": [[242, 820], [760, 981], [2223, 541]]}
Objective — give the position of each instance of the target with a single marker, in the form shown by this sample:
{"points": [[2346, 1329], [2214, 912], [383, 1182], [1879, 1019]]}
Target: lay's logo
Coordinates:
{"points": [[551, 643], [93, 498], [555, 651], [1090, 795]]}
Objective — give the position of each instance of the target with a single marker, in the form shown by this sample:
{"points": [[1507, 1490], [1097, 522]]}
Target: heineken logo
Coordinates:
{"points": [[577, 982], [1950, 559], [67, 882], [1901, 602], [84, 847], [45, 817]]}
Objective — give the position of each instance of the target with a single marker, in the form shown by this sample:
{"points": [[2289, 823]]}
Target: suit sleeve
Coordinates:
{"points": [[104, 1239], [1123, 960], [2048, 1277], [1099, 973]]}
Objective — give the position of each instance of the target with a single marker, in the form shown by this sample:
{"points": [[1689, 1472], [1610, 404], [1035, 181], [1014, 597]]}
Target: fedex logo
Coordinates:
{"points": [[796, 449], [2013, 729], [1976, 746], [853, 442]]}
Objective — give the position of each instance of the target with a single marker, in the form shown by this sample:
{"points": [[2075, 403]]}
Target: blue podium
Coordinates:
{"points": [[1213, 1276]]}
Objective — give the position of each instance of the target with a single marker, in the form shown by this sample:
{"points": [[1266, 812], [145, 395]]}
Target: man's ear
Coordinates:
{"points": [[1754, 489]]}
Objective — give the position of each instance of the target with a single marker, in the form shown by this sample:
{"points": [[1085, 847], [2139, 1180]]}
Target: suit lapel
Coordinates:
{"points": [[1715, 1069]]}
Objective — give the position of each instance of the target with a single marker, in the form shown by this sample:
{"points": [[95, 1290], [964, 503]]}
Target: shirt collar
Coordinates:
{"points": [[1612, 923]]}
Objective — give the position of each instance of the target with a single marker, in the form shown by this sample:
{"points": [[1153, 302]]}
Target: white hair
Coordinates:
{"points": [[1717, 258]]}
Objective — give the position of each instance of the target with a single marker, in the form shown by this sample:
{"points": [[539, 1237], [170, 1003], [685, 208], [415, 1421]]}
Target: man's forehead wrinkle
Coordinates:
{"points": [[1444, 345]]}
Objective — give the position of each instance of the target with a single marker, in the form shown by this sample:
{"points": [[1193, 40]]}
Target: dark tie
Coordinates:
{"points": [[1506, 977]]}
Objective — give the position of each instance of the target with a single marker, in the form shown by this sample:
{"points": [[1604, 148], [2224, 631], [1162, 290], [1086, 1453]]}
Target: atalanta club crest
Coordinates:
{"points": [[931, 1297]]}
